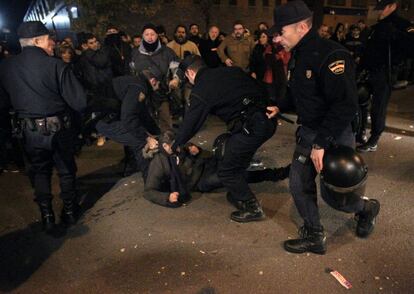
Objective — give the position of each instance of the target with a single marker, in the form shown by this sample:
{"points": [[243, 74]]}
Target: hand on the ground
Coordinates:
{"points": [[271, 111], [317, 158], [173, 197], [229, 62], [152, 143]]}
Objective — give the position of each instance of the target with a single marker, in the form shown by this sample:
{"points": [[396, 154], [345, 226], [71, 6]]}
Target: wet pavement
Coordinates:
{"points": [[124, 244]]}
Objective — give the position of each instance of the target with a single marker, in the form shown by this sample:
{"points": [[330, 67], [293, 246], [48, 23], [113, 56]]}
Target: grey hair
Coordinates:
{"points": [[26, 42]]}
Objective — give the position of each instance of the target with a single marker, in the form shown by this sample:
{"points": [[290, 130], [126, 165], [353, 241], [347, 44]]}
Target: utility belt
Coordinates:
{"points": [[47, 125], [240, 122]]}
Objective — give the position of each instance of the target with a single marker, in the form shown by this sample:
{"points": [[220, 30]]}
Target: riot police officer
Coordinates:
{"points": [[44, 93], [322, 89], [391, 40], [236, 99], [135, 126]]}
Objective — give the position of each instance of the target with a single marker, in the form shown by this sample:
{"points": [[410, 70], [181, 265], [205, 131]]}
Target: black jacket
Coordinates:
{"points": [[119, 54], [96, 68], [157, 186], [39, 85], [210, 56], [134, 115], [322, 87], [219, 91], [257, 62], [391, 33]]}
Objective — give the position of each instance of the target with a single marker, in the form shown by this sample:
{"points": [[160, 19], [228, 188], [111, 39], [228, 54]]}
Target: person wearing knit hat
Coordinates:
{"points": [[163, 63]]}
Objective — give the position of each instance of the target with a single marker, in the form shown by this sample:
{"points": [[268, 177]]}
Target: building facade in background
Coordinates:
{"points": [[57, 15]]}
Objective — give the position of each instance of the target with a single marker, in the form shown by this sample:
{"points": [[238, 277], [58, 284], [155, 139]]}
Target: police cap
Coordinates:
{"points": [[32, 29], [290, 13], [381, 4]]}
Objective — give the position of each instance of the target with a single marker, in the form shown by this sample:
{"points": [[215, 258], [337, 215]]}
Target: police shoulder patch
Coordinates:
{"points": [[410, 29], [141, 97], [337, 67]]}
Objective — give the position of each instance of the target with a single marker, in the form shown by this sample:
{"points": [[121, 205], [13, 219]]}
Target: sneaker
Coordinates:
{"points": [[370, 146], [366, 218]]}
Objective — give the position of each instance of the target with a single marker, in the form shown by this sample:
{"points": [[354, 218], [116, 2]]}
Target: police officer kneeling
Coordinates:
{"points": [[322, 88], [44, 93], [236, 99]]}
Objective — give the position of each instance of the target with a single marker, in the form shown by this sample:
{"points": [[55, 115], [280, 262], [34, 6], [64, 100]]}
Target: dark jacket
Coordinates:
{"points": [[257, 61], [134, 115], [96, 68], [39, 85], [119, 54], [208, 50], [322, 87], [394, 33], [219, 91], [157, 187]]}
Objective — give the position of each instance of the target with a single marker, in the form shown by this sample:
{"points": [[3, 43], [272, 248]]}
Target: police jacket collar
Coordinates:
{"points": [[34, 49], [200, 73], [312, 34]]}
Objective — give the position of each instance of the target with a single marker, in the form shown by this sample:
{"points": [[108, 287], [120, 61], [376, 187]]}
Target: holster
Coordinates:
{"points": [[302, 152], [48, 125]]}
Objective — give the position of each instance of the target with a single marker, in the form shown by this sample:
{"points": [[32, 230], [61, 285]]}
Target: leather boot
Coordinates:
{"points": [[236, 203], [48, 216], [311, 240], [279, 174], [366, 218], [250, 211], [69, 214]]}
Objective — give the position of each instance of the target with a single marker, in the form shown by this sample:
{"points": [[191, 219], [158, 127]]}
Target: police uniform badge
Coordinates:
{"points": [[308, 74], [410, 29], [337, 67], [141, 97]]}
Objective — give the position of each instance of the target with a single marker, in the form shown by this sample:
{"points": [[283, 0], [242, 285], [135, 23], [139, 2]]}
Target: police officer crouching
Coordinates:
{"points": [[236, 99], [322, 89], [44, 92]]}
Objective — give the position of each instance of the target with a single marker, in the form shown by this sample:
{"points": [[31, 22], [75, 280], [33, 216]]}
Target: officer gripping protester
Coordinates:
{"points": [[391, 40], [236, 99], [322, 90], [44, 93]]}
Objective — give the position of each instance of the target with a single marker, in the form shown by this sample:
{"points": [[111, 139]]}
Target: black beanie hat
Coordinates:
{"points": [[149, 26]]}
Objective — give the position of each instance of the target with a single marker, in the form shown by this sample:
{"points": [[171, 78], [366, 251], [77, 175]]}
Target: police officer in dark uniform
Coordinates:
{"points": [[236, 99], [135, 127], [322, 90], [391, 40], [44, 92]]}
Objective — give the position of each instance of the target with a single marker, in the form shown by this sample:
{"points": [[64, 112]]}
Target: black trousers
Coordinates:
{"points": [[116, 132], [381, 92], [302, 180], [240, 149], [45, 152]]}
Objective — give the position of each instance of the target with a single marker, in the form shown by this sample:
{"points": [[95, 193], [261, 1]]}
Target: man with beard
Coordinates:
{"points": [[181, 45], [195, 36], [236, 49], [208, 48]]}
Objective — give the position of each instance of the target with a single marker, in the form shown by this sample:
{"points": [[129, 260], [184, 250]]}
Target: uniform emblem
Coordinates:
{"points": [[410, 29], [308, 74], [288, 75], [337, 67], [141, 97]]}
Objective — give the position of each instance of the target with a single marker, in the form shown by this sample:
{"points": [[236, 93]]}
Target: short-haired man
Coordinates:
{"points": [[322, 88], [236, 48]]}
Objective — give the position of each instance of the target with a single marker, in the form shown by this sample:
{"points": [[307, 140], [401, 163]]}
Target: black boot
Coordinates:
{"points": [[279, 174], [311, 240], [70, 211], [366, 218], [250, 211], [48, 216], [236, 203]]}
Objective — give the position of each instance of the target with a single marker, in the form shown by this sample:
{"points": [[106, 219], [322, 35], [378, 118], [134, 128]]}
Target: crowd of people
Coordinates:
{"points": [[152, 94]]}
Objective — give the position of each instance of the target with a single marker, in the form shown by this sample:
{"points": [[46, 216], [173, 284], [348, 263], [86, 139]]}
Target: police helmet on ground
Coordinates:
{"points": [[344, 175]]}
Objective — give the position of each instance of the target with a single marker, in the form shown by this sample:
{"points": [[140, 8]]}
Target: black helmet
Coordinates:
{"points": [[219, 145], [344, 175], [364, 94]]}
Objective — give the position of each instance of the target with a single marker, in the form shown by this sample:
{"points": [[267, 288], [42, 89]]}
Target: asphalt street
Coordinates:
{"points": [[125, 244]]}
